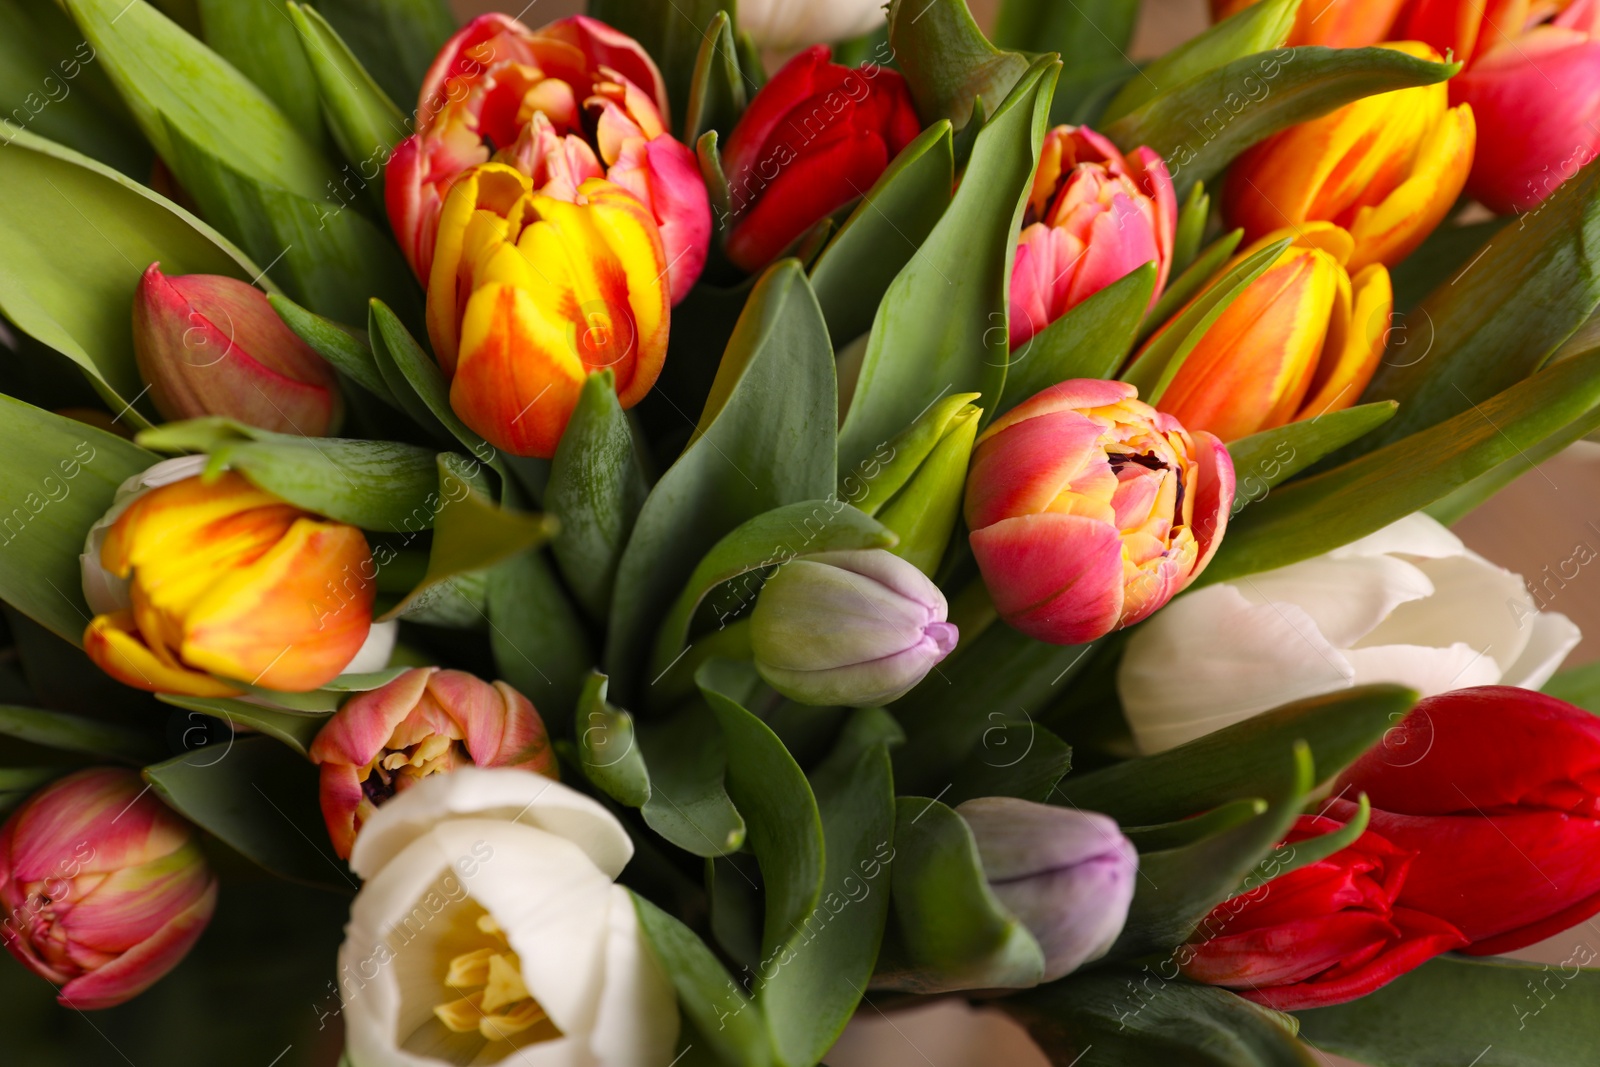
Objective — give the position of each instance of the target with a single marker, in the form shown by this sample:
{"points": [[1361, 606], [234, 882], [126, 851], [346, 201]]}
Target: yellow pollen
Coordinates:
{"points": [[501, 1009]]}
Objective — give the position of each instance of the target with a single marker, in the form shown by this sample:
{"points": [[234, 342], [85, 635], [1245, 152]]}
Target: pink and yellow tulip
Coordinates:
{"points": [[427, 721], [1094, 215], [1089, 509], [1387, 169], [105, 890], [530, 293], [565, 104], [229, 584], [1303, 339]]}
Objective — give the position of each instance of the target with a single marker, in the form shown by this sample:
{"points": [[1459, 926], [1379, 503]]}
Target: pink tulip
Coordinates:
{"points": [[427, 721], [572, 101], [1094, 216], [1089, 509], [104, 888]]}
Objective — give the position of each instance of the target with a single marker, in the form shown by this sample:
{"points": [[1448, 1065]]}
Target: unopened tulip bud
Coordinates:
{"points": [[854, 628], [427, 721], [105, 890], [1068, 875], [211, 345]]}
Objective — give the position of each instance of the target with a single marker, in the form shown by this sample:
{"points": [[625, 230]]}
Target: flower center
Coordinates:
{"points": [[499, 1006], [399, 768]]}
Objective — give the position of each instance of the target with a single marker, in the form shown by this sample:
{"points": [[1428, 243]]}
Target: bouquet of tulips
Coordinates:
{"points": [[632, 541]]}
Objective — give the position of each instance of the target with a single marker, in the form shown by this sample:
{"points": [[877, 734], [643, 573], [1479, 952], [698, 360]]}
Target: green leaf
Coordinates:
{"points": [[608, 751], [1015, 757], [1501, 318], [1090, 341], [717, 95], [74, 733], [1181, 289], [1439, 260], [341, 346], [1577, 685], [947, 61], [261, 800], [1452, 1010], [1243, 759], [771, 539], [689, 804], [950, 931], [719, 1009], [376, 485], [923, 514], [59, 477], [1093, 37], [297, 729], [672, 31], [396, 40], [877, 481], [1455, 506], [538, 641], [1260, 27], [1158, 363], [1336, 507], [1193, 215], [1200, 126], [1122, 1017], [1180, 832], [257, 37], [765, 439], [942, 326], [883, 232], [78, 236], [597, 486], [1270, 458], [1286, 858]]}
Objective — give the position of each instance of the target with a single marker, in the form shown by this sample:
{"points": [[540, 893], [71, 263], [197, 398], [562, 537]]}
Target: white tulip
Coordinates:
{"points": [[490, 931], [783, 25], [1409, 604]]}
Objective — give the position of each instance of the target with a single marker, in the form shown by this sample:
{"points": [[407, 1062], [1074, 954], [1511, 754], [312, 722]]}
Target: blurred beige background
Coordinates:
{"points": [[1534, 524]]}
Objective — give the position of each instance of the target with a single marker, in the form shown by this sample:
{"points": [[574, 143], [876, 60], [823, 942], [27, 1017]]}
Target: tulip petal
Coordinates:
{"points": [[1389, 231], [1469, 607], [1349, 362], [114, 644], [1551, 636], [1346, 599], [1057, 578], [637, 1014], [143, 965]]}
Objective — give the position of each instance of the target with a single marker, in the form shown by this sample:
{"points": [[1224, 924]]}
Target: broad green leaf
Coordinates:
{"points": [[348, 353], [1193, 214], [689, 804], [1093, 37], [296, 729], [1198, 127], [257, 37], [49, 671], [1270, 458], [765, 439], [608, 751], [1180, 832], [1499, 320], [1577, 685], [949, 930], [376, 485], [947, 61], [1146, 1017], [75, 733], [77, 237], [1453, 1010], [883, 232], [1440, 260], [1014, 757], [1182, 288], [941, 328], [718, 1007], [597, 486], [672, 31], [1261, 27], [923, 515], [396, 40], [1461, 502], [1090, 341], [1243, 759], [1158, 363], [1286, 857], [881, 478], [537, 638], [59, 477], [769, 540], [260, 798], [717, 94], [1336, 507]]}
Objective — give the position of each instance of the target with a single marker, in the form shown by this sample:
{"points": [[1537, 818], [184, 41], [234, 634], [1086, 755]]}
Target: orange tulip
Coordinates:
{"points": [[1467, 28], [1386, 168], [530, 293], [1303, 339], [229, 584], [1331, 23]]}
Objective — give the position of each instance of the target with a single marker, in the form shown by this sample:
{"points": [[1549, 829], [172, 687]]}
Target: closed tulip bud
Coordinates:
{"points": [[531, 293], [1387, 169], [1330, 23], [816, 137], [783, 25], [1300, 341], [1068, 875], [1323, 934], [1497, 790], [1094, 215], [105, 890], [1089, 509], [204, 584], [853, 628], [573, 101], [210, 345], [427, 721]]}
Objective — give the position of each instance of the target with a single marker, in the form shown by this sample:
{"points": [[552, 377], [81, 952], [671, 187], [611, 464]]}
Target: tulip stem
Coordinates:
{"points": [[972, 612]]}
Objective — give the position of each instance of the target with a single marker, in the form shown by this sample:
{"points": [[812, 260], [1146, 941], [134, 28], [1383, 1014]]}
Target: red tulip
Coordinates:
{"points": [[1497, 790], [1326, 933], [1093, 216], [816, 137]]}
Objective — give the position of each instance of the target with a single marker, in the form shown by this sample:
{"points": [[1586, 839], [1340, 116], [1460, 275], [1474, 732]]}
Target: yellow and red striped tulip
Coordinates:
{"points": [[530, 293], [229, 584], [1467, 28], [1303, 339], [1330, 23], [1387, 169]]}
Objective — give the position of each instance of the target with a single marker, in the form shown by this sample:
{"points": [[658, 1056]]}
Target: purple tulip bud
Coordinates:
{"points": [[852, 628], [1068, 875]]}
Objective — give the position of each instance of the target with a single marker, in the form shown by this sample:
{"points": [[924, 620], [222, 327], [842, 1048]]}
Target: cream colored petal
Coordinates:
{"points": [[1474, 603], [374, 654], [1551, 636], [1428, 670], [638, 1018], [1347, 598], [1415, 535]]}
